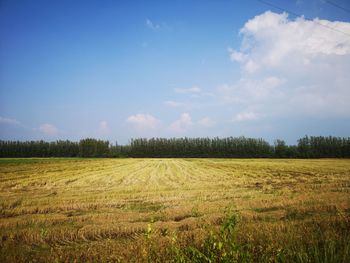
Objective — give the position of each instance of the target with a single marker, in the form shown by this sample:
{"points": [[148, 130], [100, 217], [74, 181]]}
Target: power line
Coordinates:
{"points": [[297, 15], [338, 6]]}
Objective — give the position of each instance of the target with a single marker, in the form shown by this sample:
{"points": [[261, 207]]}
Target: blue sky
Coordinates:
{"points": [[121, 69]]}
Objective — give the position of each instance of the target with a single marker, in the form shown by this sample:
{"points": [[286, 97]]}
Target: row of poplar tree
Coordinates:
{"points": [[240, 147]]}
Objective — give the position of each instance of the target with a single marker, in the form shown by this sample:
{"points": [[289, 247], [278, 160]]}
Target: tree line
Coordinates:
{"points": [[230, 147]]}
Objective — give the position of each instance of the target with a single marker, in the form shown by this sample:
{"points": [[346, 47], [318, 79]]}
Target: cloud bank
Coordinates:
{"points": [[291, 67]]}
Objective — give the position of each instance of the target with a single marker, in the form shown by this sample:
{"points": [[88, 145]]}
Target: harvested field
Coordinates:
{"points": [[144, 210]]}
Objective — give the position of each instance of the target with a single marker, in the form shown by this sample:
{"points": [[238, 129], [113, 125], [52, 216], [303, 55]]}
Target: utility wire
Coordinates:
{"points": [[338, 6], [295, 14]]}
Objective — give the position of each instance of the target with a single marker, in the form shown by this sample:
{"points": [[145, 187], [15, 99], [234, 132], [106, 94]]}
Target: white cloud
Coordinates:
{"points": [[192, 90], [143, 121], [48, 129], [152, 25], [252, 91], [9, 121], [245, 116], [271, 39], [236, 56], [173, 104], [292, 67], [206, 122], [104, 128], [182, 124]]}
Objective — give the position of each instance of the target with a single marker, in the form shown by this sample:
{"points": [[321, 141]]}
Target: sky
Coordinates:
{"points": [[117, 70]]}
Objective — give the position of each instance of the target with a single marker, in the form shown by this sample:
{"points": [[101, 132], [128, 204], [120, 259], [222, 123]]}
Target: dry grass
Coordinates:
{"points": [[100, 209]]}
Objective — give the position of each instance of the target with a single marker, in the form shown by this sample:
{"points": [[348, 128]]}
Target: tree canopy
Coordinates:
{"points": [[230, 147]]}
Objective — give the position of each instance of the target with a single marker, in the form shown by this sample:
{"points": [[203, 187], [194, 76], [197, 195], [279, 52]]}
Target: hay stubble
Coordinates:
{"points": [[95, 208]]}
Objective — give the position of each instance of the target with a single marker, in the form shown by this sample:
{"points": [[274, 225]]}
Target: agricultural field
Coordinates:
{"points": [[174, 210]]}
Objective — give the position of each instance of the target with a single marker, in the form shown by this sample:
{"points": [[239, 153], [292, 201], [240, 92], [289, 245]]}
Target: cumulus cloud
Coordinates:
{"points": [[250, 90], [152, 25], [245, 116], [173, 104], [206, 122], [143, 121], [44, 129], [48, 129], [292, 67], [269, 39], [192, 90], [9, 121], [103, 128], [182, 124]]}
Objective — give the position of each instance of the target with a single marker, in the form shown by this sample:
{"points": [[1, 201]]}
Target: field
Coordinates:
{"points": [[180, 210]]}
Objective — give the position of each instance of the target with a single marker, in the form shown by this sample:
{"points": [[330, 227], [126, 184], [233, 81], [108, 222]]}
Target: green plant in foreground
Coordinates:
{"points": [[219, 246], [222, 245]]}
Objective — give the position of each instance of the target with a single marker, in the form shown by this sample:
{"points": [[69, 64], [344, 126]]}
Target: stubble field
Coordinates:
{"points": [[174, 210]]}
